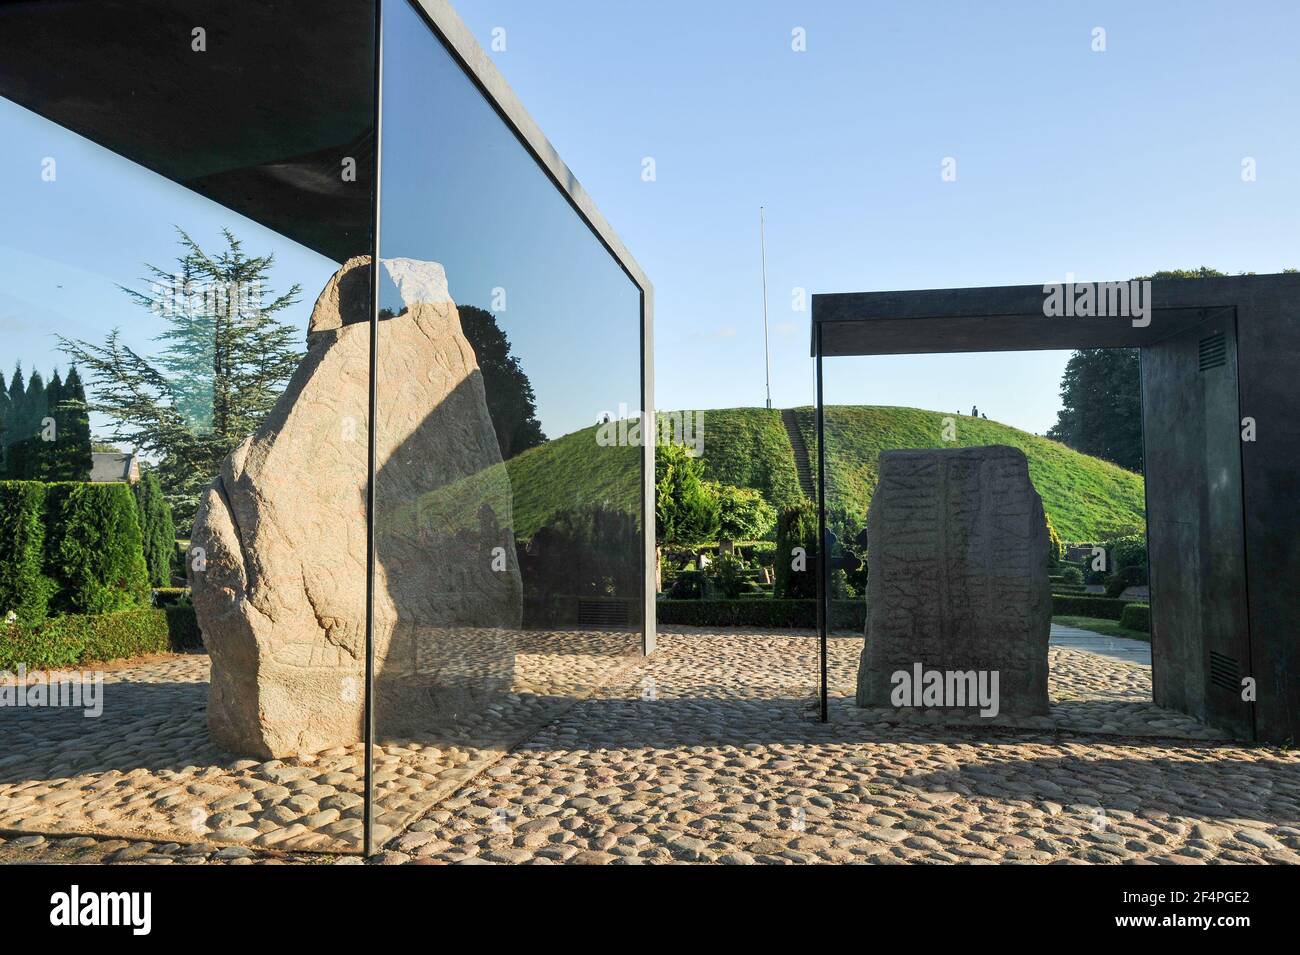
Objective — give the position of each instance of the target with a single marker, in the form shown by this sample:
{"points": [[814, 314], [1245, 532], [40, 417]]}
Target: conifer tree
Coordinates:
{"points": [[70, 456], [6, 422], [225, 358], [22, 453], [16, 406], [156, 527], [49, 451]]}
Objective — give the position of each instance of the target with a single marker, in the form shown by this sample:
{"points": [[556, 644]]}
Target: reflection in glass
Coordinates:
{"points": [[508, 499], [167, 232]]}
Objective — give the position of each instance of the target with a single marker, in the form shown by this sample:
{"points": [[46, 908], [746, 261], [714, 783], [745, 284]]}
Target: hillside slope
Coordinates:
{"points": [[1086, 498]]}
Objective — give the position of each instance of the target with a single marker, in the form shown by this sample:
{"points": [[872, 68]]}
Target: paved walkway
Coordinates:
{"points": [[708, 752], [1120, 648]]}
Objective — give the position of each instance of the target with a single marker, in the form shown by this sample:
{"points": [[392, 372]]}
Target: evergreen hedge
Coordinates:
{"points": [[1136, 616], [779, 613], [851, 614], [156, 528], [24, 588], [764, 612], [94, 548], [1104, 608], [796, 527], [76, 639]]}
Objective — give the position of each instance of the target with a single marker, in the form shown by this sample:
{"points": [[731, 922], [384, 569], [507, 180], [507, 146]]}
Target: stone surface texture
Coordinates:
{"points": [[957, 552], [280, 589], [707, 752]]}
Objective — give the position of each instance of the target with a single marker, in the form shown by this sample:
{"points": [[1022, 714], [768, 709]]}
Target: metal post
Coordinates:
{"points": [[767, 358], [823, 588], [368, 805]]}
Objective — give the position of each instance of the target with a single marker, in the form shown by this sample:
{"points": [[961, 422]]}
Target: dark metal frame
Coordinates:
{"points": [[1265, 312], [823, 579]]}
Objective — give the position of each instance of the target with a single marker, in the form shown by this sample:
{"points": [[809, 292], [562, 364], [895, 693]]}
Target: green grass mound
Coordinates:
{"points": [[1087, 499]]}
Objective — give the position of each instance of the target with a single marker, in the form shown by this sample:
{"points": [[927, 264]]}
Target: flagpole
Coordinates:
{"points": [[767, 357]]}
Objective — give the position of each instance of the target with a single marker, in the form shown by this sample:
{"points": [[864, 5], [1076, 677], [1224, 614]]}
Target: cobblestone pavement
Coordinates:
{"points": [[1089, 693], [145, 768], [709, 752]]}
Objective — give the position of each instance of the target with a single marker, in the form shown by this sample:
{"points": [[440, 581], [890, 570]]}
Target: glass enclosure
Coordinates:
{"points": [[180, 184], [208, 555], [508, 481]]}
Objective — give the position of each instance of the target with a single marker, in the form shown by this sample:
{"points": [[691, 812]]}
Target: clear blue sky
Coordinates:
{"points": [[1105, 164], [67, 244], [460, 190]]}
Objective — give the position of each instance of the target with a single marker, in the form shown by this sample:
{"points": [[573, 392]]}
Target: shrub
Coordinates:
{"points": [[685, 511], [797, 527], [1071, 574], [1069, 589], [729, 577], [1136, 616], [1105, 608], [763, 612], [24, 588], [157, 531], [1124, 578], [1128, 551], [1054, 546], [589, 551], [688, 585], [183, 628], [94, 549], [76, 639], [742, 513], [1091, 576]]}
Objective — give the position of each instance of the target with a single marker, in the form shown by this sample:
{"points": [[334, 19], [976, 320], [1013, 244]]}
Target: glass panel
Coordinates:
{"points": [[508, 576], [180, 182]]}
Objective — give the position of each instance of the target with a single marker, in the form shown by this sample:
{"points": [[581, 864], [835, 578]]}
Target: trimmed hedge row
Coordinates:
{"points": [[69, 547], [1104, 608], [851, 614], [783, 613], [775, 613], [1136, 616], [76, 639], [24, 588], [94, 548], [157, 531]]}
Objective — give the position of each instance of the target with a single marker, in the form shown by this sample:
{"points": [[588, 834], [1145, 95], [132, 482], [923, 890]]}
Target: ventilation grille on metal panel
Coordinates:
{"points": [[604, 613], [1214, 351], [1224, 671]]}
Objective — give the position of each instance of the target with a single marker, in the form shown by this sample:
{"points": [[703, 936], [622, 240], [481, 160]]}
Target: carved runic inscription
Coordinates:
{"points": [[957, 573]]}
